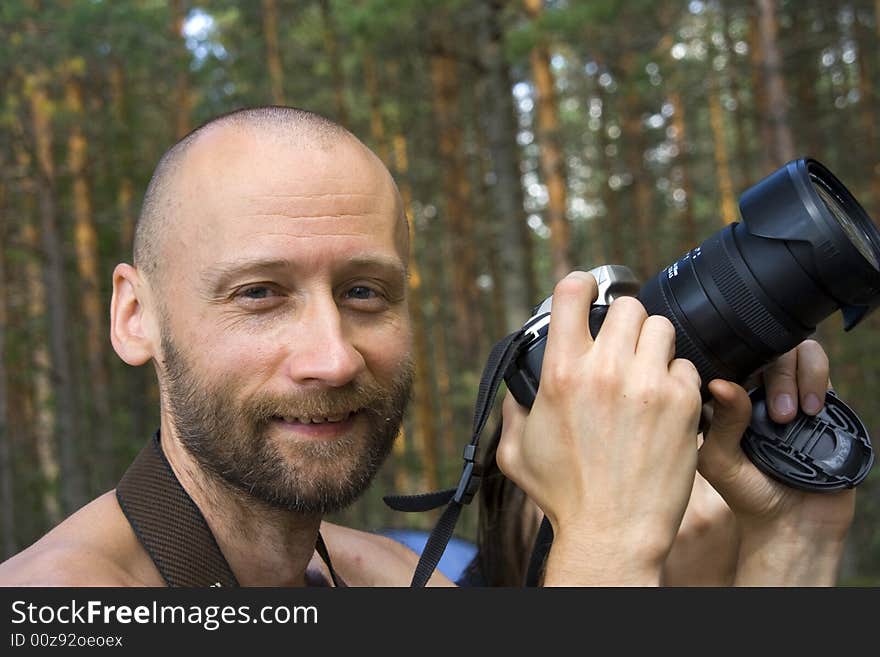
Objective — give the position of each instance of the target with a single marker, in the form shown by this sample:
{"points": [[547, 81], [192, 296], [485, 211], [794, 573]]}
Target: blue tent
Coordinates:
{"points": [[455, 559]]}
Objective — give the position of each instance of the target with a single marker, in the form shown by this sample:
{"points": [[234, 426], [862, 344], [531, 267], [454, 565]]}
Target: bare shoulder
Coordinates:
{"points": [[365, 559], [93, 547]]}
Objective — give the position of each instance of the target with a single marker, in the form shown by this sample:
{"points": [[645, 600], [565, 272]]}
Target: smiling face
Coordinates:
{"points": [[285, 341]]}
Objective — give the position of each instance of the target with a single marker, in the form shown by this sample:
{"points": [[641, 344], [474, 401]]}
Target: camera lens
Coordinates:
{"points": [[856, 234], [755, 289], [751, 292]]}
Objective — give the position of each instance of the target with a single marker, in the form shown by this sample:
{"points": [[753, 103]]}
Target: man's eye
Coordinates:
{"points": [[254, 294], [361, 292], [257, 292]]}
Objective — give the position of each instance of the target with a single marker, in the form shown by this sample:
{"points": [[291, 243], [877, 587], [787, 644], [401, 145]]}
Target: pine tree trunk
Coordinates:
{"points": [[273, 52], [877, 16], [642, 194], [807, 129], [93, 312], [67, 428], [426, 436], [40, 366], [332, 46], [868, 116], [7, 501], [760, 109], [377, 122], [511, 232], [443, 380], [727, 204], [424, 429], [777, 98], [610, 197], [689, 232], [487, 231], [125, 191], [740, 134], [552, 158], [182, 93], [458, 213]]}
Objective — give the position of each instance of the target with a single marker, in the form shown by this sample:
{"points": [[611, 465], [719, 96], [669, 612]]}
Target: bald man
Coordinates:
{"points": [[269, 290]]}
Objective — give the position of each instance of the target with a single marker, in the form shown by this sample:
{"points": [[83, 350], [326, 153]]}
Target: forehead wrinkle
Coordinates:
{"points": [[317, 204], [310, 195], [341, 215]]}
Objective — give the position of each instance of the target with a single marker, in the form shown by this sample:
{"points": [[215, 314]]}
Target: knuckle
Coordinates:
{"points": [[661, 323], [605, 377], [630, 306], [779, 373], [573, 286], [556, 377], [688, 378], [646, 379]]}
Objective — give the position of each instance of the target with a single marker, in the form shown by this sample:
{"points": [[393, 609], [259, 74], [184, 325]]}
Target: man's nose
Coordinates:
{"points": [[320, 349]]}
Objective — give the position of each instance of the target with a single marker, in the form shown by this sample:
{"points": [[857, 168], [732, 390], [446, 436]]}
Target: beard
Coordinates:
{"points": [[231, 438]]}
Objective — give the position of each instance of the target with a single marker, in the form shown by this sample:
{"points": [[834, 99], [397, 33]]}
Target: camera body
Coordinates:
{"points": [[523, 377]]}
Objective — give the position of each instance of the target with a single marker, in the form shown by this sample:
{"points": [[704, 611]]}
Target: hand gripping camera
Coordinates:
{"points": [[749, 293]]}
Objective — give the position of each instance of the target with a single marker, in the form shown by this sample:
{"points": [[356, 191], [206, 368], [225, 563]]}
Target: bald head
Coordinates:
{"points": [[286, 127]]}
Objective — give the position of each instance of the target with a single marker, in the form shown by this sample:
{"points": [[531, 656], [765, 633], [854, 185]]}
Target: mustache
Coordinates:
{"points": [[353, 397]]}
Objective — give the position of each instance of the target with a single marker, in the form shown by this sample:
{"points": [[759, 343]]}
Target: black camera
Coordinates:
{"points": [[749, 293]]}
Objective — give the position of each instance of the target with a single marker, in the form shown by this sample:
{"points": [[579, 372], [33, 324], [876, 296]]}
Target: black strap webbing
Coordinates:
{"points": [[541, 548], [499, 360], [171, 527]]}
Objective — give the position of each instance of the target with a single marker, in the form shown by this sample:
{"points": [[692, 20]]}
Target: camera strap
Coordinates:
{"points": [[172, 529], [500, 358]]}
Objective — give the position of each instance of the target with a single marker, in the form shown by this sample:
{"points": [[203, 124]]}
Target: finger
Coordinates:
{"points": [[622, 326], [686, 372], [569, 336], [513, 423], [656, 340], [721, 455], [812, 376], [780, 381]]}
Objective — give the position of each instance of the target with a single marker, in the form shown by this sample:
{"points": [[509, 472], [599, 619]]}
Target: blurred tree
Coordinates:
{"points": [[273, 52], [552, 160]]}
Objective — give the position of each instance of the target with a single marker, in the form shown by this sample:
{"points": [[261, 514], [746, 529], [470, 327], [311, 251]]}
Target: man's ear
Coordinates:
{"points": [[130, 319]]}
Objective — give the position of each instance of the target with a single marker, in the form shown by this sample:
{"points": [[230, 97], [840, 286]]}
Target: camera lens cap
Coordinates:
{"points": [[826, 452]]}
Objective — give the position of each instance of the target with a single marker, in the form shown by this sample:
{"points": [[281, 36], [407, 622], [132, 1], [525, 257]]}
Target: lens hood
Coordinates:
{"points": [[787, 205]]}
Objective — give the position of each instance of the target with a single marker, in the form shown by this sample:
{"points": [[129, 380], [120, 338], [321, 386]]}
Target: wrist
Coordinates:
{"points": [[597, 559], [782, 555]]}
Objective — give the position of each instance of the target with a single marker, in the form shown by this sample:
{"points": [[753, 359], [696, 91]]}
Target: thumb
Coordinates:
{"points": [[720, 455]]}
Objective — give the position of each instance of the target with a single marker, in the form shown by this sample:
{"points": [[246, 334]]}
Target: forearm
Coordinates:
{"points": [[781, 556]]}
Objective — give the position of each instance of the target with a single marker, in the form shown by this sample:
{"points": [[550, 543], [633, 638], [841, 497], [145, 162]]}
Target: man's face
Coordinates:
{"points": [[285, 334]]}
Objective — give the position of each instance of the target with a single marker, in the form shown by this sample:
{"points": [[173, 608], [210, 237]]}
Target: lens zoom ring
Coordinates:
{"points": [[746, 306], [684, 346]]}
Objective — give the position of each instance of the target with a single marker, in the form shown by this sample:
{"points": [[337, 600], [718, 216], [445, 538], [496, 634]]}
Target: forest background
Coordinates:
{"points": [[527, 138]]}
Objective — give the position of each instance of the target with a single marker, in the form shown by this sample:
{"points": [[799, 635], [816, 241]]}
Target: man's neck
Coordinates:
{"points": [[264, 546]]}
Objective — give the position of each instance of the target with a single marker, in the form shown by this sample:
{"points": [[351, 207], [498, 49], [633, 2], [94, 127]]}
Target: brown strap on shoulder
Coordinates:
{"points": [[171, 527], [168, 523]]}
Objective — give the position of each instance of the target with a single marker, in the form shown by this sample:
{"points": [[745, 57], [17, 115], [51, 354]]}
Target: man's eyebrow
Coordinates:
{"points": [[394, 266], [222, 273]]}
